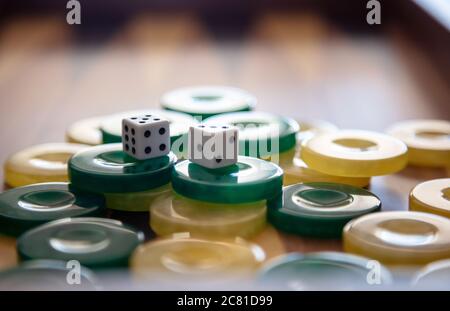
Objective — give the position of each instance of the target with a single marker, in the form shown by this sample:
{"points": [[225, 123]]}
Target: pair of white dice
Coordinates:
{"points": [[148, 136]]}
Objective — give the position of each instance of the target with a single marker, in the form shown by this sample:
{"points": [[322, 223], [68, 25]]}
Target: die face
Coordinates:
{"points": [[145, 137], [213, 146]]}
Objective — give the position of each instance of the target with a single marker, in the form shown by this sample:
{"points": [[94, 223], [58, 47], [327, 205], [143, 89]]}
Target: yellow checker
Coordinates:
{"points": [[296, 171], [174, 213], [40, 163], [428, 141], [86, 131], [431, 197], [310, 128], [399, 238], [183, 257], [354, 153]]}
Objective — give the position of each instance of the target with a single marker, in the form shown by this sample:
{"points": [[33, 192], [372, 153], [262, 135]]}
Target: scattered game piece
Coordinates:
{"points": [[184, 257], [94, 242], [146, 136], [86, 131], [213, 146], [320, 209], [261, 134], [432, 196], [173, 213], [41, 275], [207, 101], [399, 238], [249, 180], [310, 128], [428, 141], [434, 276], [40, 163], [322, 271], [30, 206], [107, 169], [354, 153]]}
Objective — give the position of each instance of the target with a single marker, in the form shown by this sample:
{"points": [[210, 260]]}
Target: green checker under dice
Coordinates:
{"points": [[320, 209]]}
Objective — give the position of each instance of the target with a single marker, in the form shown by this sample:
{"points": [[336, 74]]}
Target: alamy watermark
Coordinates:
{"points": [[373, 17], [73, 16]]}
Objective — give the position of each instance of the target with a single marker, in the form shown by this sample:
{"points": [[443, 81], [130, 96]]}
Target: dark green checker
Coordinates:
{"points": [[107, 169], [249, 180], [320, 209], [27, 207], [94, 242]]}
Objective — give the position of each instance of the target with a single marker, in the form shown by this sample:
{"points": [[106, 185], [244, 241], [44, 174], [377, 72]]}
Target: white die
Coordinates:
{"points": [[213, 146], [145, 136]]}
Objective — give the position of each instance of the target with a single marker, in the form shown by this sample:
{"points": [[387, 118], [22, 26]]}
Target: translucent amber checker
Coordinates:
{"points": [[428, 141], [296, 171], [173, 213], [354, 153], [431, 197], [40, 163], [185, 257], [399, 238], [310, 128], [85, 131]]}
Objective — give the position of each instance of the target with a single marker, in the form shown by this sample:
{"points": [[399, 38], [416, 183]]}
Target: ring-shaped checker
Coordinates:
{"points": [[261, 134], [399, 238], [310, 128], [432, 196], [179, 124], [40, 163], [207, 101], [313, 271], [354, 153], [26, 207], [320, 209], [107, 169], [428, 141], [434, 276], [186, 257], [173, 213], [94, 242], [249, 180], [85, 131]]}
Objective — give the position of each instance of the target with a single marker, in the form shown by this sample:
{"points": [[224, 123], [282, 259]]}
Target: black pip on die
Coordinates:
{"points": [[213, 146], [146, 136]]}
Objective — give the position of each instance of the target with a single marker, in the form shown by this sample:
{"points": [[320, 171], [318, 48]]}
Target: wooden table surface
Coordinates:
{"points": [[299, 65]]}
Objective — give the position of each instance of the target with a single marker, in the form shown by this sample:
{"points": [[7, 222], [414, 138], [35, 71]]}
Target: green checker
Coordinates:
{"points": [[324, 271], [207, 101], [111, 127], [45, 275], [94, 242], [261, 134], [320, 209], [30, 206], [107, 169], [249, 180]]}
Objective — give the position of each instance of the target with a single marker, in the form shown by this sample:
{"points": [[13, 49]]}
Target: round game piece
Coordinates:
{"points": [[249, 180], [173, 213], [191, 258], [107, 169], [45, 275], [86, 131], [111, 127], [261, 134], [434, 276], [310, 128], [320, 209], [428, 141], [296, 171], [399, 238], [30, 206], [431, 197], [94, 242], [323, 270], [207, 101], [136, 201], [40, 163], [354, 153]]}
